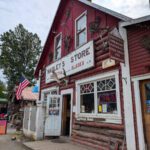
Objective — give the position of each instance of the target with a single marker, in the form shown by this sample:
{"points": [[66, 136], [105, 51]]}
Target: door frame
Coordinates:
{"points": [[136, 84], [66, 92]]}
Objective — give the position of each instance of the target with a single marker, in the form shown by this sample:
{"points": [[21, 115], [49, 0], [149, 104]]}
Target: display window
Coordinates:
{"points": [[99, 96]]}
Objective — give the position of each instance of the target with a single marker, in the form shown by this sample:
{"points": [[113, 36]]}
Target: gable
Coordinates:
{"points": [[64, 22]]}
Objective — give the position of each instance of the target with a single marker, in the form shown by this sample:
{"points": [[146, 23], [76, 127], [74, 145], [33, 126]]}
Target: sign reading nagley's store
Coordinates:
{"points": [[78, 60]]}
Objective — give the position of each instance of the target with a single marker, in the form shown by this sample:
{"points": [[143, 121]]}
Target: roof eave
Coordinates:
{"points": [[106, 10], [135, 21]]}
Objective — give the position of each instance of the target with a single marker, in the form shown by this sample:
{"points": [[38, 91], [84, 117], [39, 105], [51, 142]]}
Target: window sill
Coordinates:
{"points": [[109, 118]]}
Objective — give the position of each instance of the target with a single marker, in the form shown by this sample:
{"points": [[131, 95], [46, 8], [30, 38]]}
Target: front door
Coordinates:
{"points": [[53, 121], [145, 97], [66, 114]]}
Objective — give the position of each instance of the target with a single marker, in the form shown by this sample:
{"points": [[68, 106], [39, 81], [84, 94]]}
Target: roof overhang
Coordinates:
{"points": [[106, 10], [135, 21]]}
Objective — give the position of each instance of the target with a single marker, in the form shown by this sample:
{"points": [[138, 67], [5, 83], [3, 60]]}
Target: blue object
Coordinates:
{"points": [[148, 102], [35, 89]]}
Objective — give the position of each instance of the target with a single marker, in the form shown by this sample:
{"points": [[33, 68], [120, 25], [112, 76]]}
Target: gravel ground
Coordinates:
{"points": [[7, 144]]}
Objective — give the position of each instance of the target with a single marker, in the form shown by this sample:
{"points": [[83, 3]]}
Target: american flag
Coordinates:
{"points": [[23, 83]]}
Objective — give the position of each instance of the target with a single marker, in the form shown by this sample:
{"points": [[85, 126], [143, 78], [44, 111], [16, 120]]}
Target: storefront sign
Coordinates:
{"points": [[78, 60], [3, 126]]}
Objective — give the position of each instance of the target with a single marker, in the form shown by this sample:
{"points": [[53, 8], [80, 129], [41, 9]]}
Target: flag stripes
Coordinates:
{"points": [[23, 83]]}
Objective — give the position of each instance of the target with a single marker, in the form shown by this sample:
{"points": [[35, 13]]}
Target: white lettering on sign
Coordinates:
{"points": [[78, 60]]}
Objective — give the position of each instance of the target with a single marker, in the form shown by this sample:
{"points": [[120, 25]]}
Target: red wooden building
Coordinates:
{"points": [[138, 47], [80, 73]]}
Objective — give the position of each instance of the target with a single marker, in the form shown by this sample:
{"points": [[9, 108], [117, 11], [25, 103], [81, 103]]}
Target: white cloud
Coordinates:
{"points": [[131, 8], [35, 15]]}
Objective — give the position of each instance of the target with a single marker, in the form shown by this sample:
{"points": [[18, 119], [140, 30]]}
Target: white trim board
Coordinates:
{"points": [[136, 80], [135, 21], [65, 92], [127, 96], [141, 77]]}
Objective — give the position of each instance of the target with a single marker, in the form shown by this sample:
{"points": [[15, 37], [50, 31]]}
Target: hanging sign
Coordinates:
{"points": [[78, 60]]}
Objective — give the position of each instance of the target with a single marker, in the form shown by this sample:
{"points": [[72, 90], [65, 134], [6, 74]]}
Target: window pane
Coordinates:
{"points": [[81, 23], [57, 53], [108, 84], [54, 92], [58, 42], [46, 96], [107, 102], [81, 38], [87, 103], [58, 47], [87, 88]]}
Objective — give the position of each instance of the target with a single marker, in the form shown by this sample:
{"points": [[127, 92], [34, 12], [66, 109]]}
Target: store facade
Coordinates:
{"points": [[80, 74], [138, 39]]}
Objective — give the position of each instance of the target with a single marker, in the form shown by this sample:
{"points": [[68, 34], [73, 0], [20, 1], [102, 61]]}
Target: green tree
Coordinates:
{"points": [[2, 90], [19, 54]]}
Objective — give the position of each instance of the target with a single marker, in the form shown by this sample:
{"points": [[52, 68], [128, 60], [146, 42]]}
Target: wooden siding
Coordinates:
{"points": [[94, 134], [139, 56]]}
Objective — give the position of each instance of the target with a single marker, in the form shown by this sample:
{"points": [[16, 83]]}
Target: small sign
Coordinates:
{"points": [[3, 126], [108, 63]]}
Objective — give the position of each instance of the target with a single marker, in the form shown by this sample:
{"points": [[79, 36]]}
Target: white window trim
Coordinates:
{"points": [[112, 118], [136, 84], [48, 90], [84, 13], [60, 34]]}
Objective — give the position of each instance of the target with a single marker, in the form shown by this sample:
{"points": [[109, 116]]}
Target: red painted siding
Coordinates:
{"points": [[68, 27], [139, 56]]}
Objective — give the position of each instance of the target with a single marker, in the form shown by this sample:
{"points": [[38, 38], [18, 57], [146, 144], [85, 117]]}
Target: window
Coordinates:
{"points": [[47, 92], [46, 96], [81, 33], [57, 47], [98, 96], [106, 96], [87, 98]]}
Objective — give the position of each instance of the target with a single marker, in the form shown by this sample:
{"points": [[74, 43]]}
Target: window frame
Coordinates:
{"points": [[48, 90], [112, 118], [83, 14], [60, 34]]}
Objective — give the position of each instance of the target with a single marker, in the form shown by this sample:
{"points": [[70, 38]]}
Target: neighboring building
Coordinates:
{"points": [[80, 73], [137, 43], [29, 97]]}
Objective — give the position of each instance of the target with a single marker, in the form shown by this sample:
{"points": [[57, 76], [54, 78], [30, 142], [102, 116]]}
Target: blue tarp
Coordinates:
{"points": [[35, 89]]}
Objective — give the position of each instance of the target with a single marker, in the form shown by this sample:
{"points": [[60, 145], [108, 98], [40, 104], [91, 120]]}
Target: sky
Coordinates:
{"points": [[37, 15]]}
